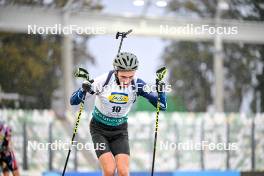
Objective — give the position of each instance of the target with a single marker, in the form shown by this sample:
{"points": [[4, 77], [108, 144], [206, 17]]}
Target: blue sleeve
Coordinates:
{"points": [[77, 97], [152, 96]]}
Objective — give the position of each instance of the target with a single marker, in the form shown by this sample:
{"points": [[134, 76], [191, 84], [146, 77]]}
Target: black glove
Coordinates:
{"points": [[87, 87]]}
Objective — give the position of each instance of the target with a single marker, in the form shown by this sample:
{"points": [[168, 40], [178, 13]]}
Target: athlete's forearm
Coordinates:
{"points": [[77, 97], [153, 99]]}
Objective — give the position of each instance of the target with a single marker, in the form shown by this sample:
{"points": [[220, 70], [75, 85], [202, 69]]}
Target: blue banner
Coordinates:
{"points": [[178, 173]]}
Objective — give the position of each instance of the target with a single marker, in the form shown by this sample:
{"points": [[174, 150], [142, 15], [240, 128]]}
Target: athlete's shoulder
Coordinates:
{"points": [[140, 82]]}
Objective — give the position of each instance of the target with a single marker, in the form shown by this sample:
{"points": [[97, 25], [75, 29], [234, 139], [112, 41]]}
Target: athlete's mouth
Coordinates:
{"points": [[125, 84]]}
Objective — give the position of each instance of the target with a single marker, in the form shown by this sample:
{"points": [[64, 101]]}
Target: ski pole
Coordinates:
{"points": [[73, 136], [80, 73], [160, 75], [122, 35]]}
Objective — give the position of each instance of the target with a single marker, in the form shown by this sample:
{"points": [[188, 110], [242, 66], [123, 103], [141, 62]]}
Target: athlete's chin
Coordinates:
{"points": [[124, 85]]}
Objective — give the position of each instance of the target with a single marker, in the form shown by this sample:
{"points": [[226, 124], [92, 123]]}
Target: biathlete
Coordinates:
{"points": [[116, 92]]}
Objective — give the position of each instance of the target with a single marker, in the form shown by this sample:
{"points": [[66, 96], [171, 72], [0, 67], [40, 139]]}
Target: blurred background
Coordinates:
{"points": [[217, 81]]}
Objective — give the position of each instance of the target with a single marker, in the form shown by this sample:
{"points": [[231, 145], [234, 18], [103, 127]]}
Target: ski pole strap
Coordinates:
{"points": [[83, 70], [82, 73], [160, 73], [123, 34]]}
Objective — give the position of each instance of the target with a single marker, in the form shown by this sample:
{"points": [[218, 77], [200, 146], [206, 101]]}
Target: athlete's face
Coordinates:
{"points": [[125, 77]]}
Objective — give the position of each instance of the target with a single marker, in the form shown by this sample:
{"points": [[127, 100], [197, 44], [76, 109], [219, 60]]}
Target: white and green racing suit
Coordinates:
{"points": [[113, 103]]}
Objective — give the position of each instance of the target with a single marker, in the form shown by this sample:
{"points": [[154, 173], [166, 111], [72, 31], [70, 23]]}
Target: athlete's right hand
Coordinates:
{"points": [[87, 87]]}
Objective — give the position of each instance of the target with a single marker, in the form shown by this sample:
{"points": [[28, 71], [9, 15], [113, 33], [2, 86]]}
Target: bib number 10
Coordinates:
{"points": [[116, 109]]}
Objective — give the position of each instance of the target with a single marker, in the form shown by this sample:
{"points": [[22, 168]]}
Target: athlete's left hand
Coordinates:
{"points": [[87, 87], [160, 86]]}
